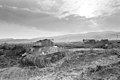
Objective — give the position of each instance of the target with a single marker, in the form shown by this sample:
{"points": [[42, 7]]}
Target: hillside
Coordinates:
{"points": [[71, 37], [91, 35]]}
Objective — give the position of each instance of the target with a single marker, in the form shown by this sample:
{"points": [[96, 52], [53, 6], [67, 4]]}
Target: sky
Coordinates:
{"points": [[44, 18]]}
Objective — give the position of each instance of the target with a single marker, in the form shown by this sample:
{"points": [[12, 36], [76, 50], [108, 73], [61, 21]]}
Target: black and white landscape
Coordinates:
{"points": [[59, 39]]}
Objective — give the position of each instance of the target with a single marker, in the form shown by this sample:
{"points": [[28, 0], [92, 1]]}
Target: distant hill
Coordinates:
{"points": [[15, 40], [70, 37], [91, 35]]}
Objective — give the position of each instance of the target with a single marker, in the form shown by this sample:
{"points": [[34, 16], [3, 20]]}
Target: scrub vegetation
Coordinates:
{"points": [[62, 63]]}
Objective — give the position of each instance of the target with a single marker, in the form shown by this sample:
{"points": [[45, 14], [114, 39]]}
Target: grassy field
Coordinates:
{"points": [[77, 64]]}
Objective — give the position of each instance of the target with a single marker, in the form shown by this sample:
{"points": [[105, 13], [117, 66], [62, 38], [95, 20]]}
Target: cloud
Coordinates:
{"points": [[47, 4], [37, 6], [17, 31], [62, 15], [65, 8], [1, 6], [89, 8], [109, 23], [42, 21]]}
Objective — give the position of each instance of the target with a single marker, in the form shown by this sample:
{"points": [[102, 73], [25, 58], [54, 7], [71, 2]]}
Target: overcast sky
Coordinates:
{"points": [[41, 18]]}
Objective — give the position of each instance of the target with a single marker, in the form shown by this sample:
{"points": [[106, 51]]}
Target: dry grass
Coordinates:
{"points": [[17, 73], [79, 65]]}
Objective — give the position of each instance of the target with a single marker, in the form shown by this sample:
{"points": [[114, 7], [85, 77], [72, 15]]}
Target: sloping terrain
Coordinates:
{"points": [[70, 37]]}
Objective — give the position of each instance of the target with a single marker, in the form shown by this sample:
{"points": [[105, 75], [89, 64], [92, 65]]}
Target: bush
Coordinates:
{"points": [[10, 55], [3, 62]]}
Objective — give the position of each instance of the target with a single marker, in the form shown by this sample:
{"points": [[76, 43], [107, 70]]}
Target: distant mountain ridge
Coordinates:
{"points": [[70, 37], [90, 35]]}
